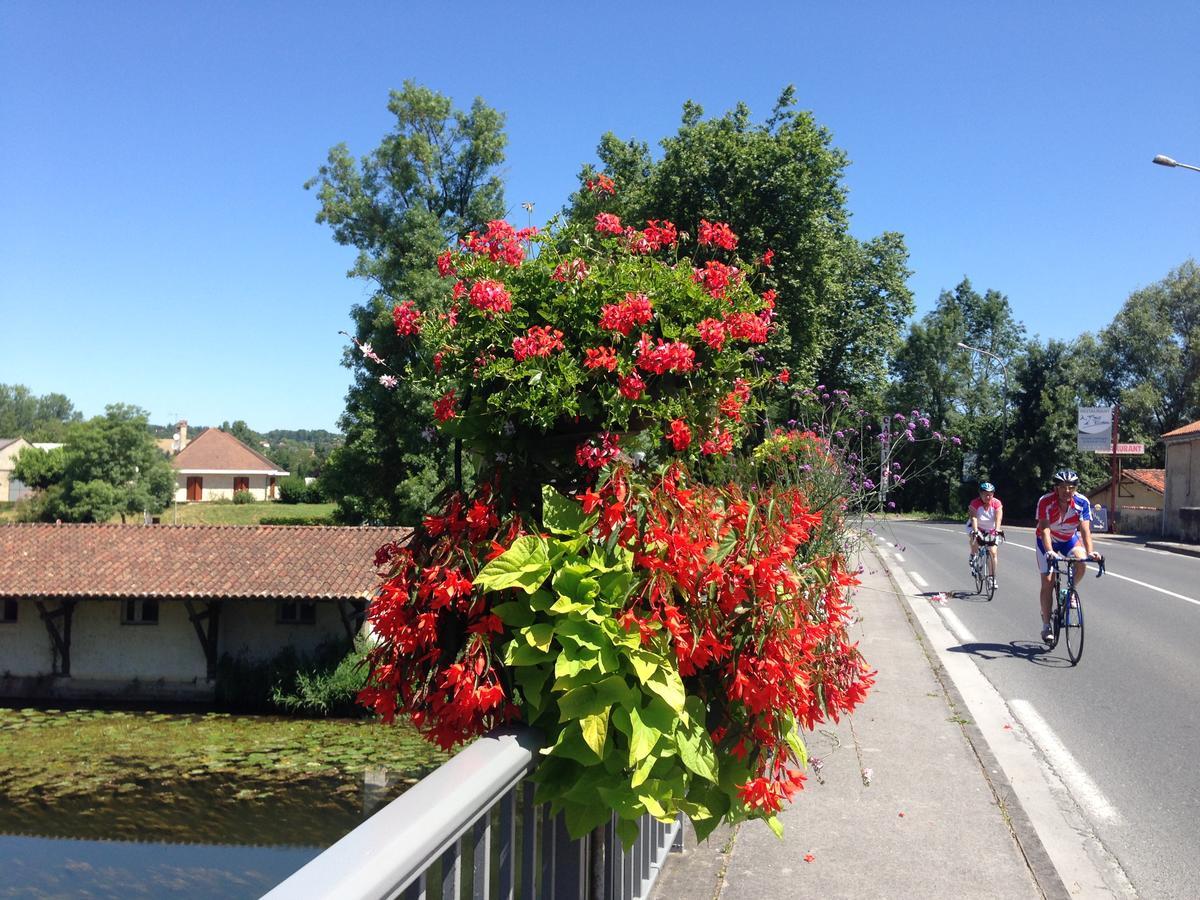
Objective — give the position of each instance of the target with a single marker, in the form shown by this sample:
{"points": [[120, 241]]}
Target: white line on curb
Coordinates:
{"points": [[921, 582], [960, 630], [1083, 789], [899, 558]]}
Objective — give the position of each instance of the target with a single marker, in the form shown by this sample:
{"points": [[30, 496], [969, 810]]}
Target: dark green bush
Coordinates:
{"points": [[314, 493], [324, 683], [243, 497], [296, 520], [292, 489]]}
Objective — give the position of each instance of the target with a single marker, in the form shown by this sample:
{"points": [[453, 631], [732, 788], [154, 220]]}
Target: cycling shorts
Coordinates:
{"points": [[1062, 548]]}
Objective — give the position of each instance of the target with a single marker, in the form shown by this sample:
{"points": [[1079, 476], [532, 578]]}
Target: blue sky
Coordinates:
{"points": [[157, 246]]}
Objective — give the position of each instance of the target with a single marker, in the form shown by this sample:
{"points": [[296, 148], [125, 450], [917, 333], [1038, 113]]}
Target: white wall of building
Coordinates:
{"points": [[25, 645], [220, 487], [250, 628]]}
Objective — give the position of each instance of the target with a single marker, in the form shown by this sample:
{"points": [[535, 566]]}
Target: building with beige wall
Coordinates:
{"points": [[11, 489], [156, 607], [216, 465], [1140, 494], [1181, 502]]}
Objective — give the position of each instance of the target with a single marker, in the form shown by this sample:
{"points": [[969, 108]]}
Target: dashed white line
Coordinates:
{"points": [[1083, 789], [899, 558], [921, 582]]}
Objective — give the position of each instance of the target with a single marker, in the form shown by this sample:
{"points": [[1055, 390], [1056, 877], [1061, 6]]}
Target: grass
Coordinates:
{"points": [[241, 513], [8, 512]]}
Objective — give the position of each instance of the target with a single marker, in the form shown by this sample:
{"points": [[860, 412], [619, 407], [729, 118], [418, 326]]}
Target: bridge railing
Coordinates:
{"points": [[470, 829]]}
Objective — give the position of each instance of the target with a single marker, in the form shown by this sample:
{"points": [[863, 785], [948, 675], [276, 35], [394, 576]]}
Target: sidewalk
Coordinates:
{"points": [[904, 805]]}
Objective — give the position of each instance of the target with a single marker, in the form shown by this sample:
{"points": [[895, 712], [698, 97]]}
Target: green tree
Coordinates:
{"points": [[1151, 358], [961, 392], [244, 433], [432, 179], [110, 466], [1050, 381], [39, 468], [24, 414], [842, 302]]}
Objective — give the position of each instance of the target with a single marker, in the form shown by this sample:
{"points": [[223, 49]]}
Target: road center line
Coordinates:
{"points": [[1083, 789], [921, 582], [899, 558]]}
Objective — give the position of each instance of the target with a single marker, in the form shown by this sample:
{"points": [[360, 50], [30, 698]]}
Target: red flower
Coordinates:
{"points": [[745, 326], [407, 318], [660, 233], [445, 264], [680, 435], [719, 443], [635, 310], [712, 332], [631, 386], [717, 233], [769, 296], [594, 453], [601, 185], [601, 358], [500, 243], [768, 256], [784, 376], [716, 277], [540, 340], [675, 356], [574, 270], [607, 223], [490, 296], [445, 406]]}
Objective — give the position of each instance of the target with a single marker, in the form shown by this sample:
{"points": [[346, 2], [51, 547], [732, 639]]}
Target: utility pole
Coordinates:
{"points": [[1114, 469]]}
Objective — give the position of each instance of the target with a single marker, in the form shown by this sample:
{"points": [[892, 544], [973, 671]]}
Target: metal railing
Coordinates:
{"points": [[471, 829]]}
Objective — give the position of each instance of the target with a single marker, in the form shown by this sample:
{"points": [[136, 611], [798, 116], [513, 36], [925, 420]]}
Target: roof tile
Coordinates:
{"points": [[200, 561], [216, 450]]}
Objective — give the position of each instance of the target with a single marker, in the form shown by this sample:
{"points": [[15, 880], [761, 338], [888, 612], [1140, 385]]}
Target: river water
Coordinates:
{"points": [[118, 826]]}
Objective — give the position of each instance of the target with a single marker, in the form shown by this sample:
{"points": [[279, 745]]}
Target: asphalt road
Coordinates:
{"points": [[1128, 715]]}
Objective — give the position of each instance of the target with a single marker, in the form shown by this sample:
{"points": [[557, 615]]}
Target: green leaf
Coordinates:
{"points": [[524, 565], [581, 819], [652, 805], [668, 685], [514, 614], [776, 826], [519, 654], [644, 664], [643, 770], [561, 515], [627, 831], [643, 738], [595, 732], [532, 681], [574, 581], [792, 736], [696, 751], [539, 635], [571, 745]]}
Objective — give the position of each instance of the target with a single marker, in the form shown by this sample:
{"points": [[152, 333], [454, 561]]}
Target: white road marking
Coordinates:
{"points": [[921, 582], [1083, 789], [899, 558], [960, 630]]}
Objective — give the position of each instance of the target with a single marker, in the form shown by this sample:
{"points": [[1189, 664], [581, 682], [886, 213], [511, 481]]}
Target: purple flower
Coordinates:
{"points": [[891, 504], [955, 441]]}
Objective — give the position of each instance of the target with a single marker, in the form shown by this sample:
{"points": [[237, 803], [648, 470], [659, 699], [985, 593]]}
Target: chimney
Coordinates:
{"points": [[182, 429]]}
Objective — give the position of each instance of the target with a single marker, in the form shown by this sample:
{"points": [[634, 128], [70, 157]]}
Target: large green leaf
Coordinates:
{"points": [[524, 565], [514, 613], [643, 738], [539, 635], [668, 685], [696, 751], [595, 732], [562, 515]]}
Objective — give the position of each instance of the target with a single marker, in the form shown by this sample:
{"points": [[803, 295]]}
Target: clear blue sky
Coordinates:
{"points": [[157, 246]]}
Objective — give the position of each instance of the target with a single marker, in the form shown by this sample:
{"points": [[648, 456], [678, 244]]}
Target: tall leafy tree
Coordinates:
{"points": [[109, 466], [35, 418], [842, 302], [433, 178], [1151, 357], [962, 392]]}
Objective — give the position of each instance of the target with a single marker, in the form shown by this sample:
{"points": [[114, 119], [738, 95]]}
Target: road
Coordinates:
{"points": [[1127, 717]]}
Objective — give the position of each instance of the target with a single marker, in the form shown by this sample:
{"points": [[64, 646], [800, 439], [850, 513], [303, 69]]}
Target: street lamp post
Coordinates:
{"points": [[1161, 160], [1004, 371]]}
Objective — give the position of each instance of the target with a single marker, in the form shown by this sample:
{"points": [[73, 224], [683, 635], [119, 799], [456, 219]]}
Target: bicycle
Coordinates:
{"points": [[1067, 611], [979, 561]]}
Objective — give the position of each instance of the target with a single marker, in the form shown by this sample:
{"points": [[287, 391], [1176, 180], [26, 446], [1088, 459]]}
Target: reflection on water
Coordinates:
{"points": [[209, 836], [44, 868]]}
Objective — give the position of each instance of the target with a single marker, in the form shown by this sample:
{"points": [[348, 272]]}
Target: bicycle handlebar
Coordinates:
{"points": [[1072, 559]]}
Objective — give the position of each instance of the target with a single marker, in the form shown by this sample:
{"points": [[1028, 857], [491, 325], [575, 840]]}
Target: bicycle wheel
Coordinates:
{"points": [[977, 569], [991, 586], [1056, 617], [1074, 627]]}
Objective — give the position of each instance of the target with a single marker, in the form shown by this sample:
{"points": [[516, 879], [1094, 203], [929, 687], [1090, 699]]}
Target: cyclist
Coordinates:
{"points": [[984, 515], [1063, 517]]}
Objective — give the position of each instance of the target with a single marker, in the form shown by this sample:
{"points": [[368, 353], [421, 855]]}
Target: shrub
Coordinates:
{"points": [[273, 685], [243, 497], [296, 520], [324, 690], [292, 489], [314, 493]]}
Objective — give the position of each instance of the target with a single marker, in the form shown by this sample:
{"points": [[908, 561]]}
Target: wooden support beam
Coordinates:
{"points": [[60, 638], [352, 614], [208, 632]]}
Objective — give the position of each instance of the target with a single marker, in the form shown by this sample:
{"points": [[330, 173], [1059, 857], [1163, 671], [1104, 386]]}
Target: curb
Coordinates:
{"points": [[1045, 875], [1182, 549]]}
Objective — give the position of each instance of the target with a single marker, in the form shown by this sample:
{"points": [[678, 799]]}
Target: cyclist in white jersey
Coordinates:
{"points": [[984, 516]]}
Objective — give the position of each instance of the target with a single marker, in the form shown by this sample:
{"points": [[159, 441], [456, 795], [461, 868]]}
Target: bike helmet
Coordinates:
{"points": [[1066, 476], [987, 486]]}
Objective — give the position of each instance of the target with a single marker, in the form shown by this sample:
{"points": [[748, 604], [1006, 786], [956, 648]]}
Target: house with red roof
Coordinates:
{"points": [[216, 465], [1140, 494], [1181, 495], [147, 612]]}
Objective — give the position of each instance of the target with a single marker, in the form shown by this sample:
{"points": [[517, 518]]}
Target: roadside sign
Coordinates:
{"points": [[1095, 428], [1124, 450]]}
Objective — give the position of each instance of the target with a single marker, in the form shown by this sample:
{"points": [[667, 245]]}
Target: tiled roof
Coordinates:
{"points": [[199, 561], [215, 450], [1189, 429], [4, 442], [1155, 479]]}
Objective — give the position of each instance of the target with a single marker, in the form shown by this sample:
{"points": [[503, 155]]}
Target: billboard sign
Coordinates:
{"points": [[1095, 428], [1125, 450]]}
